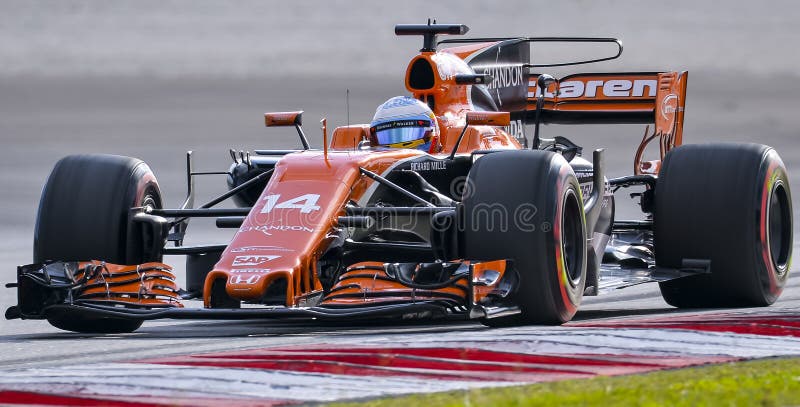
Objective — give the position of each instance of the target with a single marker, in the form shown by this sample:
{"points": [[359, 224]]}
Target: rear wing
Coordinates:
{"points": [[656, 98]]}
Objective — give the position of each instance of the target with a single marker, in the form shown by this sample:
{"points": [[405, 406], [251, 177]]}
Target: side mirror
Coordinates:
{"points": [[275, 119], [542, 82], [489, 118], [278, 119]]}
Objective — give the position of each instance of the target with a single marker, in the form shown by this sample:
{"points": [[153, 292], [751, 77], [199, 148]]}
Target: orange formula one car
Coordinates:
{"points": [[441, 207]]}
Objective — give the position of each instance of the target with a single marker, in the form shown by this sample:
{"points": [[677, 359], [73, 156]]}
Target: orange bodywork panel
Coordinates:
{"points": [[450, 103], [287, 229], [483, 272], [348, 137], [479, 138], [444, 95]]}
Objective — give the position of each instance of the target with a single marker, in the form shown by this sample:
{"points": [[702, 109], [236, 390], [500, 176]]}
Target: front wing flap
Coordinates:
{"points": [[140, 287], [148, 291]]}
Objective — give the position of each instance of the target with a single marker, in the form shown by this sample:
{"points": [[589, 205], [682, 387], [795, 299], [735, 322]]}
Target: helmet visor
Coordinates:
{"points": [[401, 131]]}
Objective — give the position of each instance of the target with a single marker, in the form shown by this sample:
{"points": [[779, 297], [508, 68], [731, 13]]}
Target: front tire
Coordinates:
{"points": [[84, 214], [543, 231], [730, 204]]}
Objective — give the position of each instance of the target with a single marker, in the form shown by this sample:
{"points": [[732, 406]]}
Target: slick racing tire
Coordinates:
{"points": [[730, 204], [526, 206], [84, 214]]}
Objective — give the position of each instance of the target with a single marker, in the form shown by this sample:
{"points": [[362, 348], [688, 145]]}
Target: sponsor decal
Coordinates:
{"points": [[516, 129], [262, 229], [428, 166], [444, 74], [448, 66], [506, 76], [250, 271], [246, 249], [266, 229], [669, 105], [252, 260], [401, 123], [290, 228], [586, 189], [622, 88], [305, 203], [244, 280]]}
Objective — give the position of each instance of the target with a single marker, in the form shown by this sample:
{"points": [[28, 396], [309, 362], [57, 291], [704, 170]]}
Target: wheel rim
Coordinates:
{"points": [[572, 237], [140, 253], [779, 227], [150, 200]]}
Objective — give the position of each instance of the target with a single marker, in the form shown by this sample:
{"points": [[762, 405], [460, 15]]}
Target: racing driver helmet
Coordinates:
{"points": [[405, 122]]}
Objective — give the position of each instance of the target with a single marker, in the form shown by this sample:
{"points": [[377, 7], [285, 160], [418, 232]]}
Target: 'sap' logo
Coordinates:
{"points": [[252, 260]]}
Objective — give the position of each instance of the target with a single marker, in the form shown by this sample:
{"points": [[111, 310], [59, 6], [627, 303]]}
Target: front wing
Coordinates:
{"points": [[97, 290]]}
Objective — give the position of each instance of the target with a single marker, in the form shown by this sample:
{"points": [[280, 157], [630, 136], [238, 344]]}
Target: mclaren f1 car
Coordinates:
{"points": [[473, 219]]}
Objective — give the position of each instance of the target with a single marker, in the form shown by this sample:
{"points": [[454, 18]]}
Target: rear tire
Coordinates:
{"points": [[84, 214], [730, 204], [543, 230]]}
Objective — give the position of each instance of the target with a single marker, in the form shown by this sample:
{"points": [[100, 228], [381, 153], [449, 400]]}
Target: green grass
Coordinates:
{"points": [[765, 382]]}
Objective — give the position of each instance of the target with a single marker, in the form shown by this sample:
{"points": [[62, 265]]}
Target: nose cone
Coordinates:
{"points": [[257, 286]]}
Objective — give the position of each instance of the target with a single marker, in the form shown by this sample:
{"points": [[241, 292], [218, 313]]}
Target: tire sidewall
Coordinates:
{"points": [[572, 289], [771, 279], [567, 294]]}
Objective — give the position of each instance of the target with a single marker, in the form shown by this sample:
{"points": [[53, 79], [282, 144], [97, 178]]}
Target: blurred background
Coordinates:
{"points": [[152, 79]]}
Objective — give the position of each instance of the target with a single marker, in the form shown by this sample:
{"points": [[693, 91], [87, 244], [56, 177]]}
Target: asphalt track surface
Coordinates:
{"points": [[154, 80]]}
